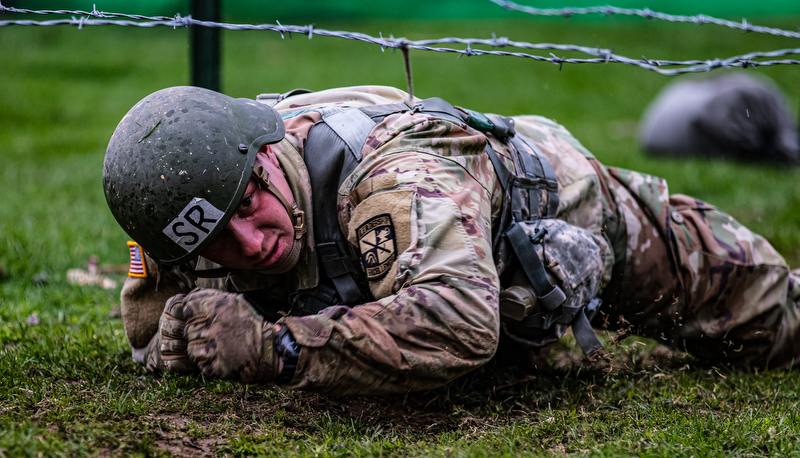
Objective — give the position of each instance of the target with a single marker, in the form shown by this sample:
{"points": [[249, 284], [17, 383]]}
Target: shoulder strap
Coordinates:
{"points": [[352, 126], [539, 171], [550, 296], [332, 152], [273, 98]]}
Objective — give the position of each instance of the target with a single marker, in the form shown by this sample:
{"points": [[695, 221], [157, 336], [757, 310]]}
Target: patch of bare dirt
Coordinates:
{"points": [[187, 446]]}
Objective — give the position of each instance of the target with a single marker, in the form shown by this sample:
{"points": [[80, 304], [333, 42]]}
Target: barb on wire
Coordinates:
{"points": [[598, 55], [94, 13], [645, 13]]}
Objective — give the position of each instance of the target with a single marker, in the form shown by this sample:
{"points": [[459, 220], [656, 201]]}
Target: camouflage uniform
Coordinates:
{"points": [[672, 266]]}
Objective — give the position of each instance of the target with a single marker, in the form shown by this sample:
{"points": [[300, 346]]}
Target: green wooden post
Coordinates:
{"points": [[205, 45]]}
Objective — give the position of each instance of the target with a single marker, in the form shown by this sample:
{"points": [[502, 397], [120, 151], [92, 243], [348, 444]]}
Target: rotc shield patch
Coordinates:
{"points": [[376, 241]]}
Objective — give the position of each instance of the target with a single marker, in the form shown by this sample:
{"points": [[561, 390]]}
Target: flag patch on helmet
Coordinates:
{"points": [[376, 241], [138, 267]]}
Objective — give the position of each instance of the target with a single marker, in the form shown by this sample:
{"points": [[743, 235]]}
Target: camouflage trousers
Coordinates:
{"points": [[691, 276]]}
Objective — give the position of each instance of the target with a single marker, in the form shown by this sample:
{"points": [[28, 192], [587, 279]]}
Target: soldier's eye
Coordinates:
{"points": [[246, 202]]}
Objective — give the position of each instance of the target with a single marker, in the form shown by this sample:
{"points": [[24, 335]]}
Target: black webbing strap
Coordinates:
{"points": [[578, 317], [550, 296], [502, 172], [433, 105], [378, 112], [330, 159], [532, 170], [339, 267], [535, 171], [582, 328], [289, 351], [545, 171]]}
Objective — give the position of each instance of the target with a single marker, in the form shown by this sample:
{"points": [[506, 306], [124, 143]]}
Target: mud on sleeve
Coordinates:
{"points": [[144, 294]]}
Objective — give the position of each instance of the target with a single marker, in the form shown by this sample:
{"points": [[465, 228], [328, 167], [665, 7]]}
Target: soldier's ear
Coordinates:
{"points": [[267, 155], [270, 155]]}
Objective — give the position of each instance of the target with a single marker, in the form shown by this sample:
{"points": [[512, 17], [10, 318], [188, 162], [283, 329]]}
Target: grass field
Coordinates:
{"points": [[68, 387]]}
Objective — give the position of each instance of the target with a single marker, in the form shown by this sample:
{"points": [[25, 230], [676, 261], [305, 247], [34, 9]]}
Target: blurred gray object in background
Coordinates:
{"points": [[736, 116]]}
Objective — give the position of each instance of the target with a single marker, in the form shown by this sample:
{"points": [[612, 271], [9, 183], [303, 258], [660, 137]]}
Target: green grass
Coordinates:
{"points": [[68, 387]]}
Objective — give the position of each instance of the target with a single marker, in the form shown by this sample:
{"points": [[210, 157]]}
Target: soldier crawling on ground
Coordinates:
{"points": [[354, 241]]}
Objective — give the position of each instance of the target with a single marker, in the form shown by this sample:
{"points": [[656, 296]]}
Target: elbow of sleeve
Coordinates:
{"points": [[485, 341], [476, 344], [475, 330]]}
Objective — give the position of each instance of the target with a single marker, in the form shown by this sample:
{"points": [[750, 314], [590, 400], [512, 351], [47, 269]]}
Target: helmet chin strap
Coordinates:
{"points": [[298, 219]]}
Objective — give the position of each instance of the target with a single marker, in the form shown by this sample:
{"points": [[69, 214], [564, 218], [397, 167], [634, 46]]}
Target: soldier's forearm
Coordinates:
{"points": [[421, 338]]}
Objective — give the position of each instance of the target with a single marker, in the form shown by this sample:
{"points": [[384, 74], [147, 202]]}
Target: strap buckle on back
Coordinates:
{"points": [[552, 297], [272, 98], [299, 222], [499, 126], [339, 267]]}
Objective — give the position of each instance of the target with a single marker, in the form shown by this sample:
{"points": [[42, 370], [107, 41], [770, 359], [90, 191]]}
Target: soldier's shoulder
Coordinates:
{"points": [[545, 131], [539, 124]]}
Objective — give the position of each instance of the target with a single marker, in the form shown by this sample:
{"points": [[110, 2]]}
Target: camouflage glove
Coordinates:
{"points": [[227, 339], [167, 348]]}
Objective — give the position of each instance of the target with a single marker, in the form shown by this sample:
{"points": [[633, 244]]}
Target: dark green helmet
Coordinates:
{"points": [[178, 164]]}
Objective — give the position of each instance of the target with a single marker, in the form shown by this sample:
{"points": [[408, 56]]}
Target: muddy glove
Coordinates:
{"points": [[227, 339], [167, 348]]}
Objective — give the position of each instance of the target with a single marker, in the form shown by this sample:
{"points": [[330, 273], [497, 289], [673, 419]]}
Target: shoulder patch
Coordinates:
{"points": [[376, 241], [138, 267]]}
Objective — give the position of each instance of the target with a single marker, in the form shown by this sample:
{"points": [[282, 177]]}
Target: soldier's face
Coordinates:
{"points": [[260, 233]]}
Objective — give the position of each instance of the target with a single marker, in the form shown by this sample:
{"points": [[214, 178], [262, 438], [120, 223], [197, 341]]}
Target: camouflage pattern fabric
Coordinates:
{"points": [[436, 317], [695, 278], [226, 338], [672, 267]]}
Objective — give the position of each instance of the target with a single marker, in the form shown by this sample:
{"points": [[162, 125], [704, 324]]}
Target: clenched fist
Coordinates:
{"points": [[167, 348], [225, 338]]}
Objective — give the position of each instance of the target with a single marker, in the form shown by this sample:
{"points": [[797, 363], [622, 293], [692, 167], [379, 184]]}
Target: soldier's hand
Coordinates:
{"points": [[167, 348], [227, 339]]}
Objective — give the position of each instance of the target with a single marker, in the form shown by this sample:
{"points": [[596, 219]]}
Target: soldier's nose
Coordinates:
{"points": [[248, 239]]}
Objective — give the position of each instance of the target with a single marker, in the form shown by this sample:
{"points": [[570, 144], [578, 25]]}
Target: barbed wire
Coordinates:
{"points": [[646, 13], [93, 13], [599, 55]]}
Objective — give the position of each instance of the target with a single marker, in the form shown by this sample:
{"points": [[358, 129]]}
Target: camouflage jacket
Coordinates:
{"points": [[420, 208]]}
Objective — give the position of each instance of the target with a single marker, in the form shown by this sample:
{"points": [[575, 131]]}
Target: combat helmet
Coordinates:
{"points": [[178, 164]]}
